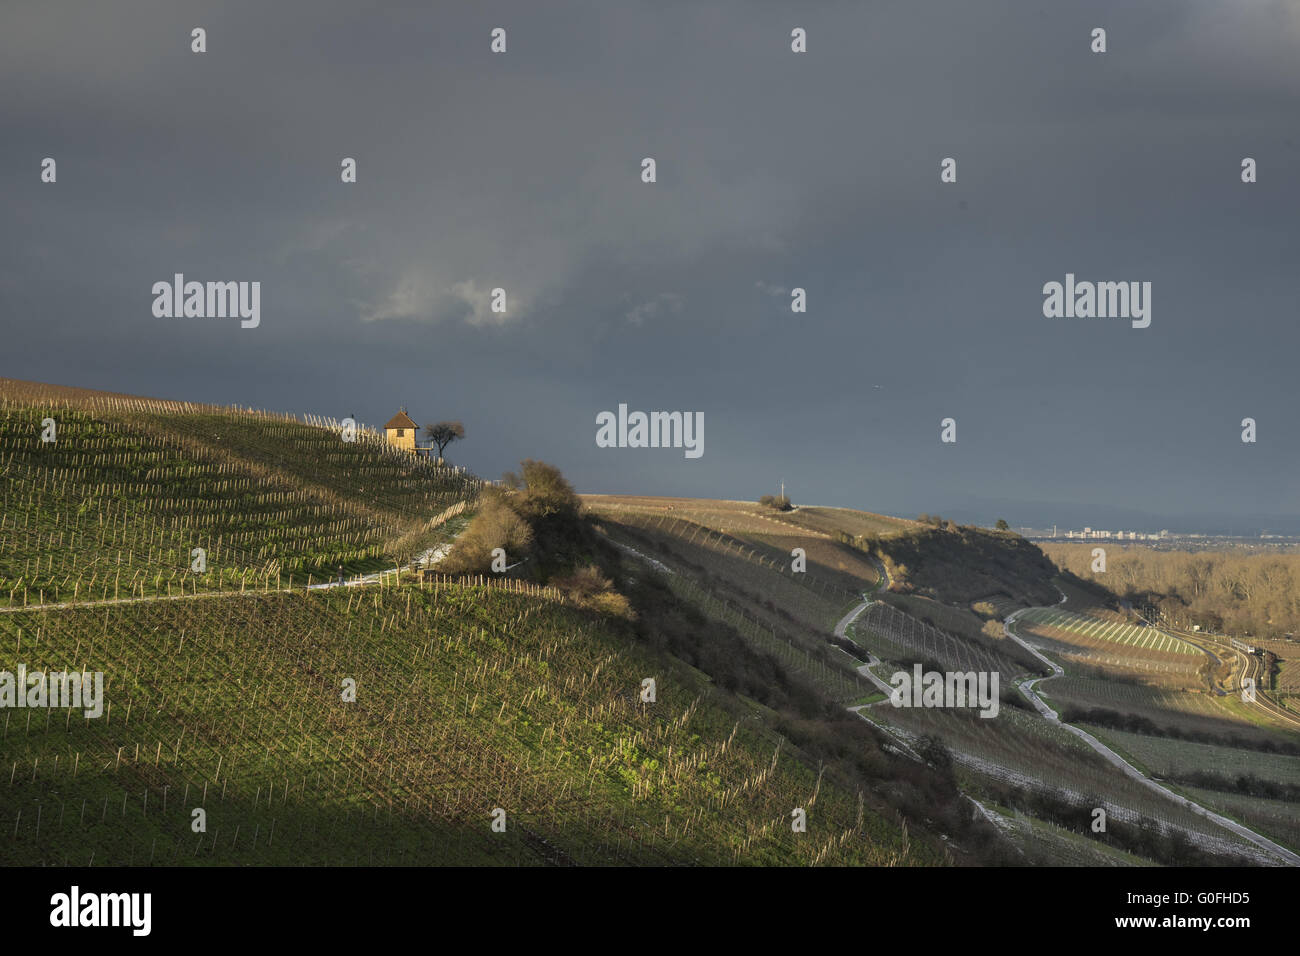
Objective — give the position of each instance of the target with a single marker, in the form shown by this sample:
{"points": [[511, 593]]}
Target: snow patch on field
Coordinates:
{"points": [[657, 565], [428, 558]]}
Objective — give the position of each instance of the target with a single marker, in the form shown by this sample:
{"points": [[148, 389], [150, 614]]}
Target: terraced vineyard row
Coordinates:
{"points": [[116, 507], [1166, 757], [466, 700], [1025, 751], [735, 517], [1276, 819], [823, 669], [698, 535], [922, 642], [780, 600], [1114, 630], [1112, 643], [1187, 712]]}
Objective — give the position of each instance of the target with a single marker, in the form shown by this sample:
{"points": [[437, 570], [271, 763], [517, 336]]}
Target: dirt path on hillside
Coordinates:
{"points": [[427, 559], [1027, 688]]}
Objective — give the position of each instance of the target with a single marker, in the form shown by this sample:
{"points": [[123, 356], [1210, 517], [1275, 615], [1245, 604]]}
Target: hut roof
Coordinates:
{"points": [[401, 420]]}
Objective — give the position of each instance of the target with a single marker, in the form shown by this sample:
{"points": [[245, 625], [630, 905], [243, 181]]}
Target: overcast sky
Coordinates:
{"points": [[819, 170]]}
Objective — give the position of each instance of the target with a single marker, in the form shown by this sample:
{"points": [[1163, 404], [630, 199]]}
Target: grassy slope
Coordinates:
{"points": [[965, 565]]}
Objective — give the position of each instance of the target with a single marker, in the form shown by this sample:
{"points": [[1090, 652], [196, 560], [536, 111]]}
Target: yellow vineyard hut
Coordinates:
{"points": [[400, 431]]}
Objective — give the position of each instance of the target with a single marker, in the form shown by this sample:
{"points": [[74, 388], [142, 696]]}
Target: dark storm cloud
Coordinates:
{"points": [[775, 170]]}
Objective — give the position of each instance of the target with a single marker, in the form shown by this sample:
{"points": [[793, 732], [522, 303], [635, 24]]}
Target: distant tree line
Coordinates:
{"points": [[1242, 594]]}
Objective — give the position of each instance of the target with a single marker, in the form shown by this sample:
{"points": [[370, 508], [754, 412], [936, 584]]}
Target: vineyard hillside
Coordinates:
{"points": [[251, 716], [468, 699], [108, 497]]}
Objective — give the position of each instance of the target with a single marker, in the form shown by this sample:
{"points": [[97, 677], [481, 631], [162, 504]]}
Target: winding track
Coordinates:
{"points": [[841, 628], [430, 557], [1252, 668], [1027, 689]]}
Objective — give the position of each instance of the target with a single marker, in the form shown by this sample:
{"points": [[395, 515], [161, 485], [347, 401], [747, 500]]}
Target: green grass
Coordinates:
{"points": [[873, 698]]}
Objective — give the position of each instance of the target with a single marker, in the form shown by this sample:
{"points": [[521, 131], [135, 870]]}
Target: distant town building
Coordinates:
{"points": [[401, 431]]}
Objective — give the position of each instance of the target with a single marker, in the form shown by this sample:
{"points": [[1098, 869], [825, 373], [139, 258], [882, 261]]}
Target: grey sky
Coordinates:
{"points": [[775, 170]]}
